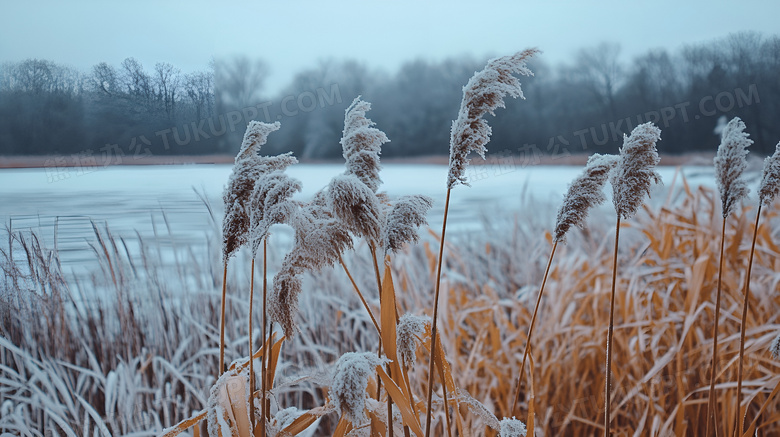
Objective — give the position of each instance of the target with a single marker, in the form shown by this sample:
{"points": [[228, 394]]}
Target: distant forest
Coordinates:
{"points": [[115, 113]]}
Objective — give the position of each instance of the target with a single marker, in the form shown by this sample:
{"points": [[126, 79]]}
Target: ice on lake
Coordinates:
{"points": [[161, 203]]}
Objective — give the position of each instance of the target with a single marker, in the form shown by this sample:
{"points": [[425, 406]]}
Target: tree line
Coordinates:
{"points": [[120, 112]]}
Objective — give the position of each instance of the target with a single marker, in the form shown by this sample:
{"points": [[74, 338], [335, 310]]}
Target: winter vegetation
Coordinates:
{"points": [[373, 324]]}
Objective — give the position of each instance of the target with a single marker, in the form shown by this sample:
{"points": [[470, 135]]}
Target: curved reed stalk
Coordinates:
{"points": [[251, 346], [740, 417], [610, 332], [729, 164], [483, 93], [263, 367], [713, 368], [531, 329], [436, 314]]}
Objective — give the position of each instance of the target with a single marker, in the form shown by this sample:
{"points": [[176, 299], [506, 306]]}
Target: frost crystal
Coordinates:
{"points": [[356, 205], [512, 428], [410, 329], [350, 381], [407, 214], [483, 93], [730, 162], [584, 193], [770, 179], [362, 144], [635, 170]]}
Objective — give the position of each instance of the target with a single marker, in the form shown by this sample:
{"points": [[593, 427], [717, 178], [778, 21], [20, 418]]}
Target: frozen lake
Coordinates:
{"points": [[149, 201]]}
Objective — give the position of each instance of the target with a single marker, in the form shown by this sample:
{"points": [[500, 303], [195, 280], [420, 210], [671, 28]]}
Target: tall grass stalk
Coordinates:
{"points": [[610, 332], [729, 163], [360, 295], [713, 367], [222, 323], [631, 178], [740, 415], [531, 330], [251, 345], [263, 366], [436, 315], [483, 93]]}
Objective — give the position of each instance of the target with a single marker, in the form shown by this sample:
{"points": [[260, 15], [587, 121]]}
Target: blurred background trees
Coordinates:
{"points": [[583, 106]]}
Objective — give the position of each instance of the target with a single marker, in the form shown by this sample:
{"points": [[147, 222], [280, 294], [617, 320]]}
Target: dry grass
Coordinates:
{"points": [[142, 358]]}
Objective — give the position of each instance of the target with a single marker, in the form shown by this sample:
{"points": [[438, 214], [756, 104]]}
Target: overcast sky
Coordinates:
{"points": [[292, 35]]}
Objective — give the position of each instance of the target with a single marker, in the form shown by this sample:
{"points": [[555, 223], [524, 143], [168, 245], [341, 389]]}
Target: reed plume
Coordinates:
{"points": [[631, 180], [357, 206], [770, 178], [362, 143], [729, 163], [350, 382], [248, 167], [584, 193], [410, 331], [635, 170], [269, 204], [403, 221], [483, 93], [319, 241]]}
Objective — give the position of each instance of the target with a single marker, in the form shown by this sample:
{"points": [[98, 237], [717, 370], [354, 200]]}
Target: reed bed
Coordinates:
{"points": [[73, 366]]}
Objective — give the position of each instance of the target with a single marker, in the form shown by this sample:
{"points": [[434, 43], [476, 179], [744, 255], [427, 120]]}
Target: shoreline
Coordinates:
{"points": [[48, 161]]}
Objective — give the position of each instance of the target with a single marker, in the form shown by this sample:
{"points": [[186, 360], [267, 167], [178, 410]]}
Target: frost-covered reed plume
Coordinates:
{"points": [[585, 192], [362, 143], [730, 162], [348, 390], [483, 93], [631, 179], [767, 191], [411, 329], [320, 239], [403, 221], [770, 178], [249, 166]]}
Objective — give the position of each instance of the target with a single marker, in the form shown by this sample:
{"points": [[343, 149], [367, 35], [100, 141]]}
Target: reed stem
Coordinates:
{"points": [[610, 332], [222, 324], [713, 368], [251, 348], [263, 367], [360, 295], [434, 331], [740, 418], [531, 330]]}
